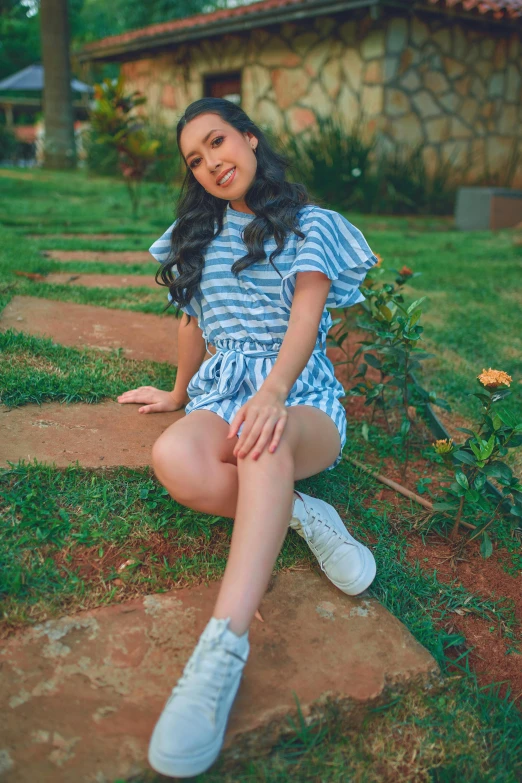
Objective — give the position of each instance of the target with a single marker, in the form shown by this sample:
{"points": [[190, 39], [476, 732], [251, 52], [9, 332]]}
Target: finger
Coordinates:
{"points": [[139, 390], [137, 396], [250, 437], [241, 438], [237, 421], [264, 438], [156, 408], [133, 391], [280, 426], [249, 422], [129, 396]]}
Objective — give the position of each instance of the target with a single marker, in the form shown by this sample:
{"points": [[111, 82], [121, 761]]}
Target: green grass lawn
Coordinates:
{"points": [[472, 280], [65, 532]]}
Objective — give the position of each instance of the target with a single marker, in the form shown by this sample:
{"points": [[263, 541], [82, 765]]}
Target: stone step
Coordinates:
{"points": [[107, 434], [144, 238], [105, 281], [107, 257], [81, 694], [141, 335]]}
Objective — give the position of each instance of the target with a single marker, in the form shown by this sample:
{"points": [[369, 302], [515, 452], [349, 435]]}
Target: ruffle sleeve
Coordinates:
{"points": [[160, 250], [334, 246]]}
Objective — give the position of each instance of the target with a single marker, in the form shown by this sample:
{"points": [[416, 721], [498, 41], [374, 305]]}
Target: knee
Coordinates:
{"points": [[176, 465], [281, 461]]}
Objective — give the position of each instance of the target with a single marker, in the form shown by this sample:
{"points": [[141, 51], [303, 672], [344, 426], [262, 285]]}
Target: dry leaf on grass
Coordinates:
{"points": [[30, 275]]}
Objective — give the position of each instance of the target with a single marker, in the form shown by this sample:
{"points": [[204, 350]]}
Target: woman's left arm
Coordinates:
{"points": [[265, 414]]}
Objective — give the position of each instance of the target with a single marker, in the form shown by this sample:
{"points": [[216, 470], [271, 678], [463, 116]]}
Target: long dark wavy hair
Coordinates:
{"points": [[274, 201]]}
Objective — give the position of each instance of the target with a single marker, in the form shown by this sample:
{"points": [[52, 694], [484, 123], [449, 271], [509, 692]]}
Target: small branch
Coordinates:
{"points": [[478, 532], [454, 532], [398, 487]]}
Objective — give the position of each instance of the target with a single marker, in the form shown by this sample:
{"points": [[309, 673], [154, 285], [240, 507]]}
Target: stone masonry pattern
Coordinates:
{"points": [[451, 85]]}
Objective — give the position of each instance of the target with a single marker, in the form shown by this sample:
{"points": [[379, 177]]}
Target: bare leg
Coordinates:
{"points": [[194, 461], [264, 508]]}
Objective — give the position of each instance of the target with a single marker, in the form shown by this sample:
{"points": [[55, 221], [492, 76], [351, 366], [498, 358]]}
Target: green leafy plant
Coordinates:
{"points": [[333, 162], [392, 350], [480, 458], [115, 122], [8, 144], [351, 168]]}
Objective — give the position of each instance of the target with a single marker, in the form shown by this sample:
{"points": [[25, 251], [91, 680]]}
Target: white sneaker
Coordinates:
{"points": [[346, 562], [189, 733]]}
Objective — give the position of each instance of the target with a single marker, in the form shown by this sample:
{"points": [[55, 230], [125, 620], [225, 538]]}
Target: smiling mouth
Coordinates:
{"points": [[226, 179]]}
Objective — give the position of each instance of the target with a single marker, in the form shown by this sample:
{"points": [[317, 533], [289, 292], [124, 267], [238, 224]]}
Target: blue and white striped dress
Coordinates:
{"points": [[246, 316]]}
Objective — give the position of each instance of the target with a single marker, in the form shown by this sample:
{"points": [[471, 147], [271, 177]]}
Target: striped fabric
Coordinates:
{"points": [[246, 316]]}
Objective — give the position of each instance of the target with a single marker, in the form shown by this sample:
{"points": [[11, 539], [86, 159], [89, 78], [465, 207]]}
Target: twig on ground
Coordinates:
{"points": [[398, 487]]}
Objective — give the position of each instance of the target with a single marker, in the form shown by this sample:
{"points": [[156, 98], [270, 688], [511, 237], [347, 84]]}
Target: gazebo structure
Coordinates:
{"points": [[31, 79]]}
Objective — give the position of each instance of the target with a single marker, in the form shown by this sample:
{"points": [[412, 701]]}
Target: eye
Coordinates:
{"points": [[213, 142]]}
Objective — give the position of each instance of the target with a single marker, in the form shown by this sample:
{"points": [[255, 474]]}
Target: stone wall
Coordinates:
{"points": [[452, 85]]}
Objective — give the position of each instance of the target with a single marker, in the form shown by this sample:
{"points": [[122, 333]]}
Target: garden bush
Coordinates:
{"points": [[165, 168], [8, 144], [351, 171], [12, 149]]}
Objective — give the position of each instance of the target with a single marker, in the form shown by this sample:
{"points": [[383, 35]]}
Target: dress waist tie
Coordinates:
{"points": [[228, 367]]}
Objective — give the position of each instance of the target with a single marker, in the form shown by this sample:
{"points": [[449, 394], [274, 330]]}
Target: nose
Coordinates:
{"points": [[214, 166]]}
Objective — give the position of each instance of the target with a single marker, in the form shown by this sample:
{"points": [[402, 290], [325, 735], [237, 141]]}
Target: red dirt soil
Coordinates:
{"points": [[484, 577]]}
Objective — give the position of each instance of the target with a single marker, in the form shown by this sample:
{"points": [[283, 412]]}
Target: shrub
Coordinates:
{"points": [[8, 144], [347, 170], [334, 164], [480, 458], [115, 122], [166, 166], [101, 157]]}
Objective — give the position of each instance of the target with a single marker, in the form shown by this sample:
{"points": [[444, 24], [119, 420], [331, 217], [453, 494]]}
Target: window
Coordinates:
{"points": [[224, 85]]}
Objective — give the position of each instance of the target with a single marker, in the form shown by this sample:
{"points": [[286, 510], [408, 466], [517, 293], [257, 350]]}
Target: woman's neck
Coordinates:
{"points": [[240, 206]]}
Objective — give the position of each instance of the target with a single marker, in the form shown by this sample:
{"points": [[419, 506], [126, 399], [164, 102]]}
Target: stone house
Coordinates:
{"points": [[446, 74]]}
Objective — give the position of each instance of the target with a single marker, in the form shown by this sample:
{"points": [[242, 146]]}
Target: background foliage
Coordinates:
{"points": [[89, 20]]}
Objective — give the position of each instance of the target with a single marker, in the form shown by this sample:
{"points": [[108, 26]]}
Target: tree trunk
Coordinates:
{"points": [[60, 148]]}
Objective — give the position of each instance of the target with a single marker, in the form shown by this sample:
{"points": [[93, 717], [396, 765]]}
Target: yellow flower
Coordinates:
{"points": [[379, 261], [443, 446], [491, 379]]}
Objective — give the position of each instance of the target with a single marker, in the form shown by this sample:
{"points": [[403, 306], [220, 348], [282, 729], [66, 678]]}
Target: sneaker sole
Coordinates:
{"points": [[181, 767]]}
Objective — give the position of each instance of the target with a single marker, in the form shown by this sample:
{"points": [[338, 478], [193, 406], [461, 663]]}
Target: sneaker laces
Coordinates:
{"points": [[320, 537], [207, 672]]}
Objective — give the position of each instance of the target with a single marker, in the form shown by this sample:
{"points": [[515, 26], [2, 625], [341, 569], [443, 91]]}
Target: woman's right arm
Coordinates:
{"points": [[191, 352]]}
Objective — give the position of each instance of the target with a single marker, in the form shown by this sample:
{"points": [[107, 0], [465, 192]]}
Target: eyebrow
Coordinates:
{"points": [[204, 140]]}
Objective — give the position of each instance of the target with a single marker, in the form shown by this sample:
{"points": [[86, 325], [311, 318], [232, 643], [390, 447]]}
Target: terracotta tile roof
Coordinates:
{"points": [[192, 21], [498, 8]]}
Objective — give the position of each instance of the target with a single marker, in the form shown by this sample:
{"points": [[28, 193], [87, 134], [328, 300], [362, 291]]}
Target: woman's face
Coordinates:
{"points": [[221, 158]]}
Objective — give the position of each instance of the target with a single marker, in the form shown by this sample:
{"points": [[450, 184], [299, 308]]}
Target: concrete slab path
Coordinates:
{"points": [[106, 281], [107, 434], [134, 238], [141, 335], [108, 257], [81, 694]]}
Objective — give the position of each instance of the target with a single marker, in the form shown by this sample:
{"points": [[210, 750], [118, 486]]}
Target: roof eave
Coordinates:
{"points": [[152, 43], [455, 13], [120, 51]]}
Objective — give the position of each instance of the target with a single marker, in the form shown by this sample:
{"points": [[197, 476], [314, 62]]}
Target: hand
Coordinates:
{"points": [[264, 417], [157, 401]]}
